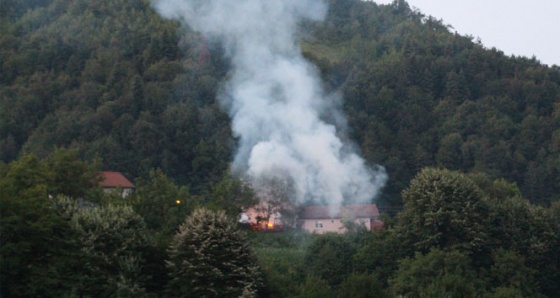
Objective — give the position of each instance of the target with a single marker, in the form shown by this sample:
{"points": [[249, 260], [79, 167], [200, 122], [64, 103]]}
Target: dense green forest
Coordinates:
{"points": [[116, 81], [458, 235], [470, 139]]}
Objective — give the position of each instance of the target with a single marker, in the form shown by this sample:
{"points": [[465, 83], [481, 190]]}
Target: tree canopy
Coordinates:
{"points": [[115, 80], [210, 257], [470, 138]]}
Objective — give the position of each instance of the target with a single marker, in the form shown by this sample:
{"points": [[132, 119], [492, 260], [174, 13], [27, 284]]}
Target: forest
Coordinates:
{"points": [[470, 139]]}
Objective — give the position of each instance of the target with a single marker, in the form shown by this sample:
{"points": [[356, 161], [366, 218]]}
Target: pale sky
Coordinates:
{"points": [[516, 27]]}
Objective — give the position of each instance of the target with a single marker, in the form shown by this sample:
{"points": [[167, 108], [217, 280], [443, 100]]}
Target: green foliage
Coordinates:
{"points": [[26, 177], [443, 209], [505, 293], [116, 80], [327, 257], [379, 253], [210, 257], [113, 79], [315, 287], [162, 203], [283, 268], [232, 195], [72, 176], [555, 214], [101, 64], [292, 238], [436, 274], [400, 65], [361, 286], [113, 244], [498, 189], [509, 271], [36, 243], [52, 246], [61, 173], [519, 226]]}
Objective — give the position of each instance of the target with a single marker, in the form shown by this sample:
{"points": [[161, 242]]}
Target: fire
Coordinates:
{"points": [[270, 225]]}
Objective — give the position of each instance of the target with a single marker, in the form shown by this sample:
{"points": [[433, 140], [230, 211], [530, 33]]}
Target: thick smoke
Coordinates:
{"points": [[276, 102]]}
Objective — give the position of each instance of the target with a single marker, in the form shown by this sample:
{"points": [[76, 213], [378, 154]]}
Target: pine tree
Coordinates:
{"points": [[210, 257]]}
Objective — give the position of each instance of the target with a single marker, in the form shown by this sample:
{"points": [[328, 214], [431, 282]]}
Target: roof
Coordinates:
{"points": [[356, 211], [114, 179]]}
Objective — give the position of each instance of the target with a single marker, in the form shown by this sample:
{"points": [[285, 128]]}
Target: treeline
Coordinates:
{"points": [[61, 235], [458, 235], [116, 81], [131, 92]]}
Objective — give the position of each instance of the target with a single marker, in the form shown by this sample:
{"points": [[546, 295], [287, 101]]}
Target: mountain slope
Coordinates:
{"points": [[115, 80]]}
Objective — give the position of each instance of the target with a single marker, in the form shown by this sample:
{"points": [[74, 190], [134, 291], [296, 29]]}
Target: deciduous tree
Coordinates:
{"points": [[436, 274], [112, 244], [210, 257], [443, 209], [327, 257]]}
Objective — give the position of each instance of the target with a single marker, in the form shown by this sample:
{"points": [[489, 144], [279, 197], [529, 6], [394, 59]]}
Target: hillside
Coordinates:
{"points": [[470, 140], [116, 81]]}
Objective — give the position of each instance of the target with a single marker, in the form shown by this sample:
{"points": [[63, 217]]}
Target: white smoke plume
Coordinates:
{"points": [[276, 101]]}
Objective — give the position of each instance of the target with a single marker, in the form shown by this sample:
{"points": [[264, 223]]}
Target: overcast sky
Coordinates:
{"points": [[516, 27]]}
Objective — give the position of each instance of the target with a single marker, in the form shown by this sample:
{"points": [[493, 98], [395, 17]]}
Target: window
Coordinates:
{"points": [[318, 225]]}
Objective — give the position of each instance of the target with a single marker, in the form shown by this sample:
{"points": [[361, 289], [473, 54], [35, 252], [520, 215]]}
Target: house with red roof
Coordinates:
{"points": [[112, 182], [324, 219]]}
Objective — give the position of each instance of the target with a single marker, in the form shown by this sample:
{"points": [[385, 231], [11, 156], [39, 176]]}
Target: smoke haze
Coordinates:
{"points": [[276, 102]]}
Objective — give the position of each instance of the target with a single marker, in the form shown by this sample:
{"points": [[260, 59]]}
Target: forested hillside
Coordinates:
{"points": [[419, 95], [470, 139], [116, 81]]}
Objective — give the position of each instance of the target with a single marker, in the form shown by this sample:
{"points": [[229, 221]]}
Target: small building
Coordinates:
{"points": [[112, 182], [262, 220], [322, 219]]}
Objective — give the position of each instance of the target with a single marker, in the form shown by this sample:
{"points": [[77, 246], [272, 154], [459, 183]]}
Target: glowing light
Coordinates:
{"points": [[270, 225], [178, 202]]}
